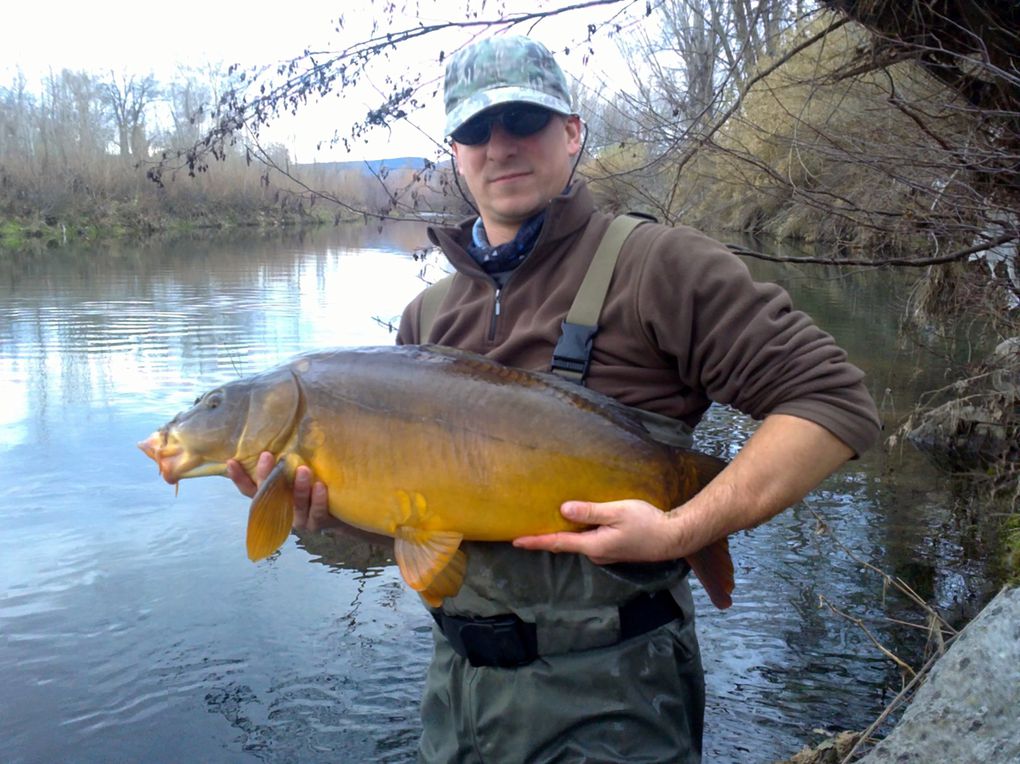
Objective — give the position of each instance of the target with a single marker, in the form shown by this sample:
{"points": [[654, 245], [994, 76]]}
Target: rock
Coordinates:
{"points": [[981, 427], [968, 709], [965, 435]]}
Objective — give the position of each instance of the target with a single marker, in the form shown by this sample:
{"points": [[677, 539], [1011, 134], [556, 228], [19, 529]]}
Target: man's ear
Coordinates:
{"points": [[574, 128], [456, 156]]}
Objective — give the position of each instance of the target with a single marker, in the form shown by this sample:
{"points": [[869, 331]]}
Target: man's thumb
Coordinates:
{"points": [[581, 512]]}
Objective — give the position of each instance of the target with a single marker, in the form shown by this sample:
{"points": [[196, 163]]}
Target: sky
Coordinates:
{"points": [[138, 38]]}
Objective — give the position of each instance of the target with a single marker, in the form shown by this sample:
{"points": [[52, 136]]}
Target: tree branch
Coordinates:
{"points": [[914, 262]]}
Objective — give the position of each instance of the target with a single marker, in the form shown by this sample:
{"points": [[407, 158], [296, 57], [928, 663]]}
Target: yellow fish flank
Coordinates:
{"points": [[432, 446]]}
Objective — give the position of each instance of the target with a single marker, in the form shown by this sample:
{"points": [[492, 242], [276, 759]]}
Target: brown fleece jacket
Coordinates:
{"points": [[683, 325]]}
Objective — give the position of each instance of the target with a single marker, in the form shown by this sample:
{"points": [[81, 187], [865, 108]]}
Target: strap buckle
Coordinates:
{"points": [[573, 349]]}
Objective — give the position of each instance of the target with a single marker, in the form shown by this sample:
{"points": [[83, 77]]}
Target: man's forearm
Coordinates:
{"points": [[780, 463]]}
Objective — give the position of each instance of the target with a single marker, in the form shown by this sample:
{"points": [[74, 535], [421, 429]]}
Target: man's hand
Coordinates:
{"points": [[311, 502], [625, 531]]}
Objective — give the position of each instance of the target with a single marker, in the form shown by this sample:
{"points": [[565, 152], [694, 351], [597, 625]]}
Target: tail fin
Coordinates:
{"points": [[714, 568], [712, 565]]}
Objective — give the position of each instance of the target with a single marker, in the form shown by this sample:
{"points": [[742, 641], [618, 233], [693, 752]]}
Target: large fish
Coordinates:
{"points": [[432, 446]]}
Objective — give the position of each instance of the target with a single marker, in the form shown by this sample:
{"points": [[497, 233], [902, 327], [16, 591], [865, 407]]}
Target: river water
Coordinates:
{"points": [[134, 628]]}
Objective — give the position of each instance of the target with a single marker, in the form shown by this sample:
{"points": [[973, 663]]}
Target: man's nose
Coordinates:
{"points": [[501, 143]]}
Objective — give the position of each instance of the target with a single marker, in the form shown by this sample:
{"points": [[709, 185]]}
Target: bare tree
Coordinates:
{"points": [[17, 107], [128, 97], [189, 101], [687, 66], [92, 133], [263, 93]]}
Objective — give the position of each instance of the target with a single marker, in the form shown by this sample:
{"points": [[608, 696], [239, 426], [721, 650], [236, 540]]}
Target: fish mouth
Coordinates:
{"points": [[173, 460], [151, 446]]}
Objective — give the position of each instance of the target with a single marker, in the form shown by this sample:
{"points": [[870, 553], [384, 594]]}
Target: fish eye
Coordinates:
{"points": [[211, 399]]}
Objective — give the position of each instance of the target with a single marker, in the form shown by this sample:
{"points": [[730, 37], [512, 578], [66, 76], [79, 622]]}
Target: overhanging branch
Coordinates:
{"points": [[914, 262]]}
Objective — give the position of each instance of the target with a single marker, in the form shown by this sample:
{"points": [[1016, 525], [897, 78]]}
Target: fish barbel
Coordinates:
{"points": [[432, 446]]}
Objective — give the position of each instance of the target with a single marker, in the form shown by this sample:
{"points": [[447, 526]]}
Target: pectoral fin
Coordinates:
{"points": [[271, 515], [430, 561], [714, 568], [447, 582]]}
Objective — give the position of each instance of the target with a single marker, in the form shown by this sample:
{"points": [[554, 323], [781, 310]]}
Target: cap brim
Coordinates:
{"points": [[486, 99]]}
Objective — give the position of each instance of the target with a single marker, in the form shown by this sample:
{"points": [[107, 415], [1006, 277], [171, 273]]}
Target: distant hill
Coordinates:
{"points": [[369, 166]]}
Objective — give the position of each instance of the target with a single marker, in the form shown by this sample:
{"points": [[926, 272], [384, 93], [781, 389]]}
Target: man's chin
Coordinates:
{"points": [[516, 211]]}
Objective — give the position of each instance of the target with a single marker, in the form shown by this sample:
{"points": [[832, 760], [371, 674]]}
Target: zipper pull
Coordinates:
{"points": [[495, 316]]}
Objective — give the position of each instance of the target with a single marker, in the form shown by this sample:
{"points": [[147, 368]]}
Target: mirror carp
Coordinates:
{"points": [[432, 446]]}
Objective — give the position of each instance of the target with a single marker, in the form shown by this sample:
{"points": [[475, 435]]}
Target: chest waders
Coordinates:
{"points": [[503, 615]]}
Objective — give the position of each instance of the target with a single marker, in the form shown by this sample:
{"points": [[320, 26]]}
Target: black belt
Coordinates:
{"points": [[507, 641]]}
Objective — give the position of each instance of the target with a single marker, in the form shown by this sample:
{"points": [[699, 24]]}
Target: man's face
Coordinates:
{"points": [[511, 178]]}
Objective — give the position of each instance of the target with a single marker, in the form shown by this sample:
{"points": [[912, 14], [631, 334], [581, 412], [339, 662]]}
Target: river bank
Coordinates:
{"points": [[126, 222]]}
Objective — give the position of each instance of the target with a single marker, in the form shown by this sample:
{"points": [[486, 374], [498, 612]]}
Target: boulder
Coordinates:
{"points": [[980, 428], [968, 709]]}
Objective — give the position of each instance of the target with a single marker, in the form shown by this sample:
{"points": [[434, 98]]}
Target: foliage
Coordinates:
{"points": [[898, 142], [813, 153], [263, 94], [687, 67], [74, 153], [1011, 552], [623, 173]]}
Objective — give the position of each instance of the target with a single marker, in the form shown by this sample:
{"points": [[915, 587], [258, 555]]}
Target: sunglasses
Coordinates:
{"points": [[518, 121]]}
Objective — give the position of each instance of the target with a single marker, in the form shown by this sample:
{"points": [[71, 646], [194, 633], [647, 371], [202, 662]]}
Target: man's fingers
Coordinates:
{"points": [[586, 542], [311, 501], [241, 479], [264, 466], [318, 509], [302, 497], [630, 530], [590, 513], [579, 543]]}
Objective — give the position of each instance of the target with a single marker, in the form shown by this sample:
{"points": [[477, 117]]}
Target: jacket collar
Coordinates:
{"points": [[566, 215]]}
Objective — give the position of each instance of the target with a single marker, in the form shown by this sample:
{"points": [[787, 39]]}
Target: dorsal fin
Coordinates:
{"points": [[582, 398]]}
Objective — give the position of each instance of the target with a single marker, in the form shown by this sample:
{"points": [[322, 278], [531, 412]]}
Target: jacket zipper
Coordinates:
{"points": [[495, 315]]}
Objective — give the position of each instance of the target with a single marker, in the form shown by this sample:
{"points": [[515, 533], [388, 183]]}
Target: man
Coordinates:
{"points": [[612, 671]]}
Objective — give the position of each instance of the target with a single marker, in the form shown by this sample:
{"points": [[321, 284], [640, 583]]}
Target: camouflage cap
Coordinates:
{"points": [[497, 70]]}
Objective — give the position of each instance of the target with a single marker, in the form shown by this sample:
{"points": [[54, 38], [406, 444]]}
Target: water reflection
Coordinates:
{"points": [[134, 626], [348, 550]]}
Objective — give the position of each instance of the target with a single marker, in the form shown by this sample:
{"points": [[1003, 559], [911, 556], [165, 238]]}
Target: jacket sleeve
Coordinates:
{"points": [[743, 343]]}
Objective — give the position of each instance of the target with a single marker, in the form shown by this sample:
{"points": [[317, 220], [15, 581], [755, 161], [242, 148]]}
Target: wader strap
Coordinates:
{"points": [[431, 299], [572, 355]]}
